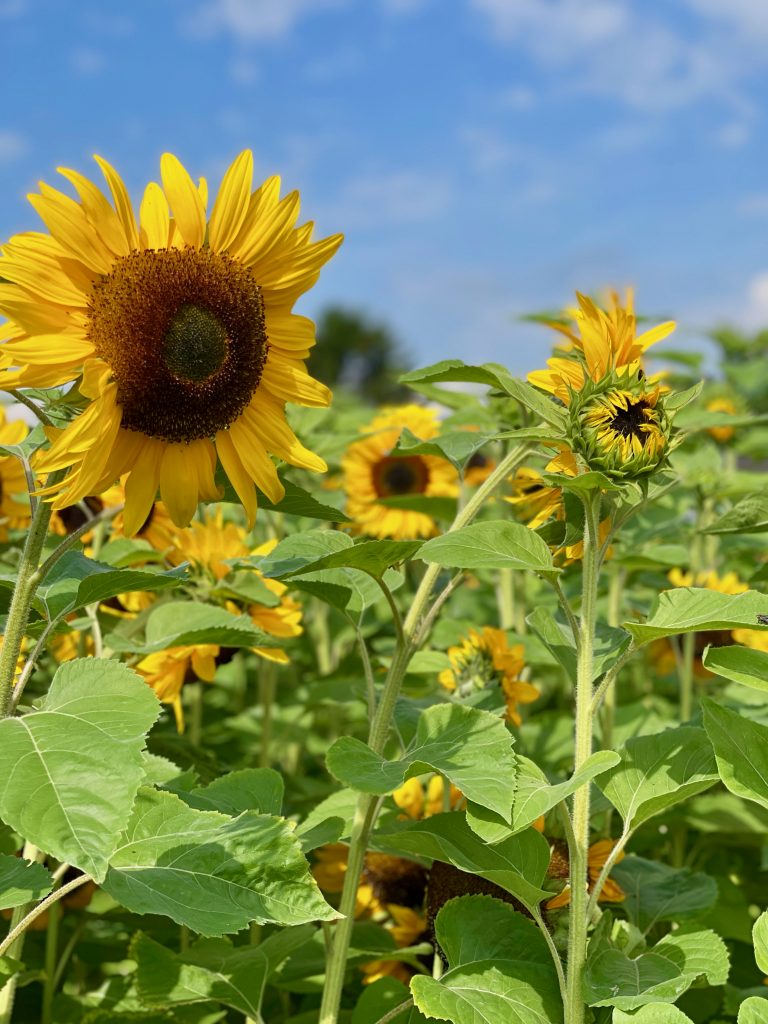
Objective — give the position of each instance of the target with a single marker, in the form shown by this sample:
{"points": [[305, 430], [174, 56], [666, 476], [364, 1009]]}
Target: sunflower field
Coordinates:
{"points": [[312, 712]]}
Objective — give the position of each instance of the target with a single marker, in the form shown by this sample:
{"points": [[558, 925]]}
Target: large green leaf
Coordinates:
{"points": [[557, 637], [656, 772], [518, 864], [753, 1010], [179, 623], [697, 609], [535, 796], [22, 881], [70, 771], [457, 446], [760, 941], [652, 1013], [212, 873], [741, 751], [212, 969], [491, 545], [740, 664], [471, 748], [657, 892], [371, 556], [298, 502], [250, 789], [499, 968], [659, 976], [750, 515], [75, 581]]}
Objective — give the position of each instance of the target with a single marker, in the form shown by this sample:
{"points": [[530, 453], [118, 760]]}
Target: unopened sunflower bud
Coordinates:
{"points": [[620, 427]]}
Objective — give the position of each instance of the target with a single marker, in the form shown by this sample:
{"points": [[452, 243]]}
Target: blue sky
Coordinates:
{"points": [[483, 157]]}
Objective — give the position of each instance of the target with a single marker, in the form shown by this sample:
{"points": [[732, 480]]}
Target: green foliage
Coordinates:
{"points": [[741, 752], [494, 545], [22, 881], [693, 609], [499, 968]]}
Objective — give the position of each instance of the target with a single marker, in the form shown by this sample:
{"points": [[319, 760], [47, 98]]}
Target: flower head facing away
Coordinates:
{"points": [[180, 326]]}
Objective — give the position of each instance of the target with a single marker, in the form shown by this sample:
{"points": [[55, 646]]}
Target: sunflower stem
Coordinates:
{"points": [[368, 805], [579, 842], [267, 687], [27, 581]]}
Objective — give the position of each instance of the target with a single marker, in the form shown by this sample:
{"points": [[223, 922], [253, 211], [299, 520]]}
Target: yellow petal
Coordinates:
{"points": [[231, 204], [99, 212], [184, 199], [141, 486], [237, 475], [122, 202], [68, 224], [178, 487], [255, 460], [154, 217]]}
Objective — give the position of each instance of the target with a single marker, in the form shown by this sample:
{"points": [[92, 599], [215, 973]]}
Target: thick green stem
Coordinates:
{"points": [[579, 844], [27, 582], [267, 689], [368, 805], [615, 591], [51, 959]]}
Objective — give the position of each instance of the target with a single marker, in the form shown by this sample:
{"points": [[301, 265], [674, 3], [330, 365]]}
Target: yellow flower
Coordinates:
{"points": [[611, 892], [721, 434], [623, 432], [167, 671], [709, 579], [14, 496], [419, 801], [67, 520], [534, 501], [371, 473], [408, 928], [486, 657], [601, 341], [757, 639], [181, 326]]}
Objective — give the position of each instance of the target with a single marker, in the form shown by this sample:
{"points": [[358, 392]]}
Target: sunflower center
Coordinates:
{"points": [[394, 476], [183, 331], [195, 346], [628, 422]]}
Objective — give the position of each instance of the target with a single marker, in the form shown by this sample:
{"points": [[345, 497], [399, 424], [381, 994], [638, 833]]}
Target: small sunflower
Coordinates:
{"points": [[180, 328], [420, 801], [600, 342], [597, 856], [623, 431], [484, 658], [725, 433], [371, 472], [167, 672], [14, 497]]}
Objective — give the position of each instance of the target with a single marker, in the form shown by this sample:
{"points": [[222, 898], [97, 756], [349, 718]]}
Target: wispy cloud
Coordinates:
{"points": [[85, 61], [255, 19], [12, 146], [380, 200]]}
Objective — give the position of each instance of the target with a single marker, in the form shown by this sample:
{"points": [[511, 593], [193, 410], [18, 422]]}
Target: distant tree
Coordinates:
{"points": [[358, 354]]}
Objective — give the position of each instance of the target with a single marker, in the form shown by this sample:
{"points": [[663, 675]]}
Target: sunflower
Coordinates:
{"points": [[721, 434], [757, 639], [623, 431], [484, 658], [407, 928], [180, 328], [420, 801], [167, 672], [600, 342], [14, 497], [371, 472], [598, 854]]}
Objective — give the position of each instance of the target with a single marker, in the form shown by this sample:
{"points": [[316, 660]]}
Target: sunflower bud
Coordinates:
{"points": [[620, 426]]}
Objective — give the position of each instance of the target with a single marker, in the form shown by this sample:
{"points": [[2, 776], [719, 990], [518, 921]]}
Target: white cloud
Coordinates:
{"points": [[255, 19], [734, 134], [244, 71], [12, 146], [518, 97], [13, 8], [755, 311], [85, 61], [748, 17], [378, 200], [488, 149]]}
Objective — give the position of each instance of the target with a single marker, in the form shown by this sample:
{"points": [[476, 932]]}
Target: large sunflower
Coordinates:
{"points": [[180, 324], [371, 473], [599, 341]]}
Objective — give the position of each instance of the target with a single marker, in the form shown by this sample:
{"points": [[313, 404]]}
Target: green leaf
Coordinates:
{"points": [[75, 581], [472, 748], [298, 502], [653, 1013], [246, 586], [741, 751], [581, 484], [380, 998], [753, 1010], [760, 941], [535, 796], [657, 772], [750, 515], [518, 864], [457, 446], [22, 881], [70, 771], [212, 969], [492, 545], [251, 789], [740, 664], [656, 892], [658, 976], [697, 610], [9, 967], [609, 643], [499, 968], [212, 873], [178, 623], [371, 556]]}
